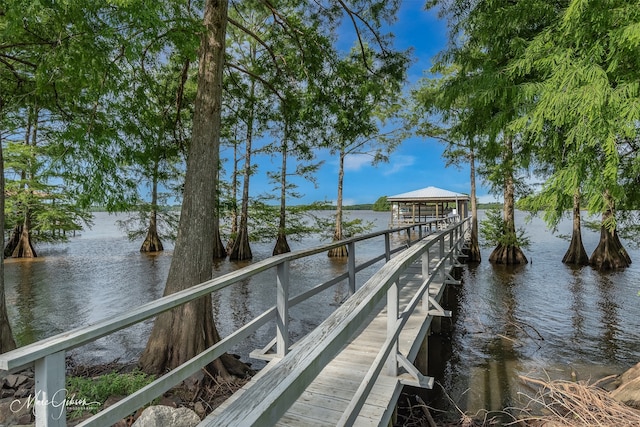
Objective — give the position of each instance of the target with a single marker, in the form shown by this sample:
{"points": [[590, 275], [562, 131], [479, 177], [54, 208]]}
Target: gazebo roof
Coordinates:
{"points": [[428, 194]]}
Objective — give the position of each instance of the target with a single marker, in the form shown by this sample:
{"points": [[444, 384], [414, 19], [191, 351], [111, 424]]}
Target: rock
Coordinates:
{"points": [[15, 411], [15, 380], [161, 416], [6, 392], [24, 390], [629, 390]]}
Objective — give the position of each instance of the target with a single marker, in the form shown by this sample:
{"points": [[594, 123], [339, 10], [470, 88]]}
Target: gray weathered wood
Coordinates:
{"points": [[282, 308], [25, 356], [269, 399], [50, 400], [351, 266]]}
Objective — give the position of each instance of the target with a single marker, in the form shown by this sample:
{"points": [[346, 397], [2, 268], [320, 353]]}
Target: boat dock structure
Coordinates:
{"points": [[426, 205], [349, 370]]}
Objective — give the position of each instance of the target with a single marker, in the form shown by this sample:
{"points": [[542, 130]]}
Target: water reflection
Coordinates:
{"points": [[543, 320], [25, 305], [492, 385], [609, 318], [578, 305]]}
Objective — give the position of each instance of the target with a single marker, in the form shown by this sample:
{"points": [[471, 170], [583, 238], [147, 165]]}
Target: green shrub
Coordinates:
{"points": [[95, 391]]}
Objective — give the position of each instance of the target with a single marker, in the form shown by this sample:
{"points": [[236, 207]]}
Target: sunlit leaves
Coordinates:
{"points": [[586, 84]]}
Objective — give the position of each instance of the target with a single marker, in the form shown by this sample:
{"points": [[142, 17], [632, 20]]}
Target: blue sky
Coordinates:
{"points": [[416, 163]]}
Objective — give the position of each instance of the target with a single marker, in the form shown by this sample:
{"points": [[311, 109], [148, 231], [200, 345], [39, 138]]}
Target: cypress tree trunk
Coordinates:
{"points": [[609, 254], [282, 246], [24, 248], [474, 245], [7, 342], [340, 251], [219, 251], [234, 207], [185, 331], [509, 254], [14, 238], [576, 254], [241, 249], [152, 241]]}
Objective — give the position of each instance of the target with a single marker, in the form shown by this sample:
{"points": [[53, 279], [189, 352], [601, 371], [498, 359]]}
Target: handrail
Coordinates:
{"points": [[48, 355], [397, 324], [271, 395]]}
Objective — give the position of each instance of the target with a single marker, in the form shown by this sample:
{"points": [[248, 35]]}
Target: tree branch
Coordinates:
{"points": [[257, 77], [256, 38]]}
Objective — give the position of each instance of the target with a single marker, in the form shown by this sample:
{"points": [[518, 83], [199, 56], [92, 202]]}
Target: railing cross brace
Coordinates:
{"points": [[413, 377], [437, 309], [451, 281]]}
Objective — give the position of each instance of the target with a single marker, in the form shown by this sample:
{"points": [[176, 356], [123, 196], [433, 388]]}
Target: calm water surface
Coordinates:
{"points": [[542, 319]]}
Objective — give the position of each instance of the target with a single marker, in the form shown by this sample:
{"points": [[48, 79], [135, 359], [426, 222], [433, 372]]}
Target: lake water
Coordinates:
{"points": [[541, 319]]}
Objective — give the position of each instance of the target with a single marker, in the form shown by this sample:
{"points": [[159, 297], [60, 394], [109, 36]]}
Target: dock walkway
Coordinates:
{"points": [[326, 400]]}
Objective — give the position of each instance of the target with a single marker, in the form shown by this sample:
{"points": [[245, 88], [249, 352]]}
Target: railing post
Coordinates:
{"points": [[351, 265], [425, 276], [387, 247], [455, 237], [408, 236], [441, 256], [50, 408], [392, 319], [420, 232], [282, 307], [451, 247]]}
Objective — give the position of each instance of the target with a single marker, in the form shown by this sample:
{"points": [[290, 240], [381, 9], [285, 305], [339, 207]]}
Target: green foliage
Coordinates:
{"points": [[559, 78], [584, 87], [493, 231], [51, 209], [100, 388], [350, 227], [263, 225], [76, 83], [381, 205], [137, 223]]}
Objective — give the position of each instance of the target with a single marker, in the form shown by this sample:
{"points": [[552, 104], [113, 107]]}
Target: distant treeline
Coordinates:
{"points": [[495, 205], [327, 207], [362, 207]]}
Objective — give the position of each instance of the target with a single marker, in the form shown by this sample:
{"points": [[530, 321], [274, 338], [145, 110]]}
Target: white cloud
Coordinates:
{"points": [[355, 162], [398, 164]]}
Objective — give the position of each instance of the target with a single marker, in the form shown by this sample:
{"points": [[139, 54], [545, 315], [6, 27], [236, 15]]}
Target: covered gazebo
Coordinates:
{"points": [[427, 204]]}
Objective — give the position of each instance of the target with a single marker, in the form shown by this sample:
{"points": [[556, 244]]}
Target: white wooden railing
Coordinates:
{"points": [[264, 403], [48, 356]]}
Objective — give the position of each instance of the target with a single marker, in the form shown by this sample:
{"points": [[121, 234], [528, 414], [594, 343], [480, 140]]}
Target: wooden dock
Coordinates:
{"points": [[327, 398]]}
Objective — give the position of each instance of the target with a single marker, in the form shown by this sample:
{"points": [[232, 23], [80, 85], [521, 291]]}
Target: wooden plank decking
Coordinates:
{"points": [[325, 400]]}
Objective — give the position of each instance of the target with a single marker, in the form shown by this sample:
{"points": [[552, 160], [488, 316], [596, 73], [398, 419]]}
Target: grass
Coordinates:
{"points": [[90, 394]]}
